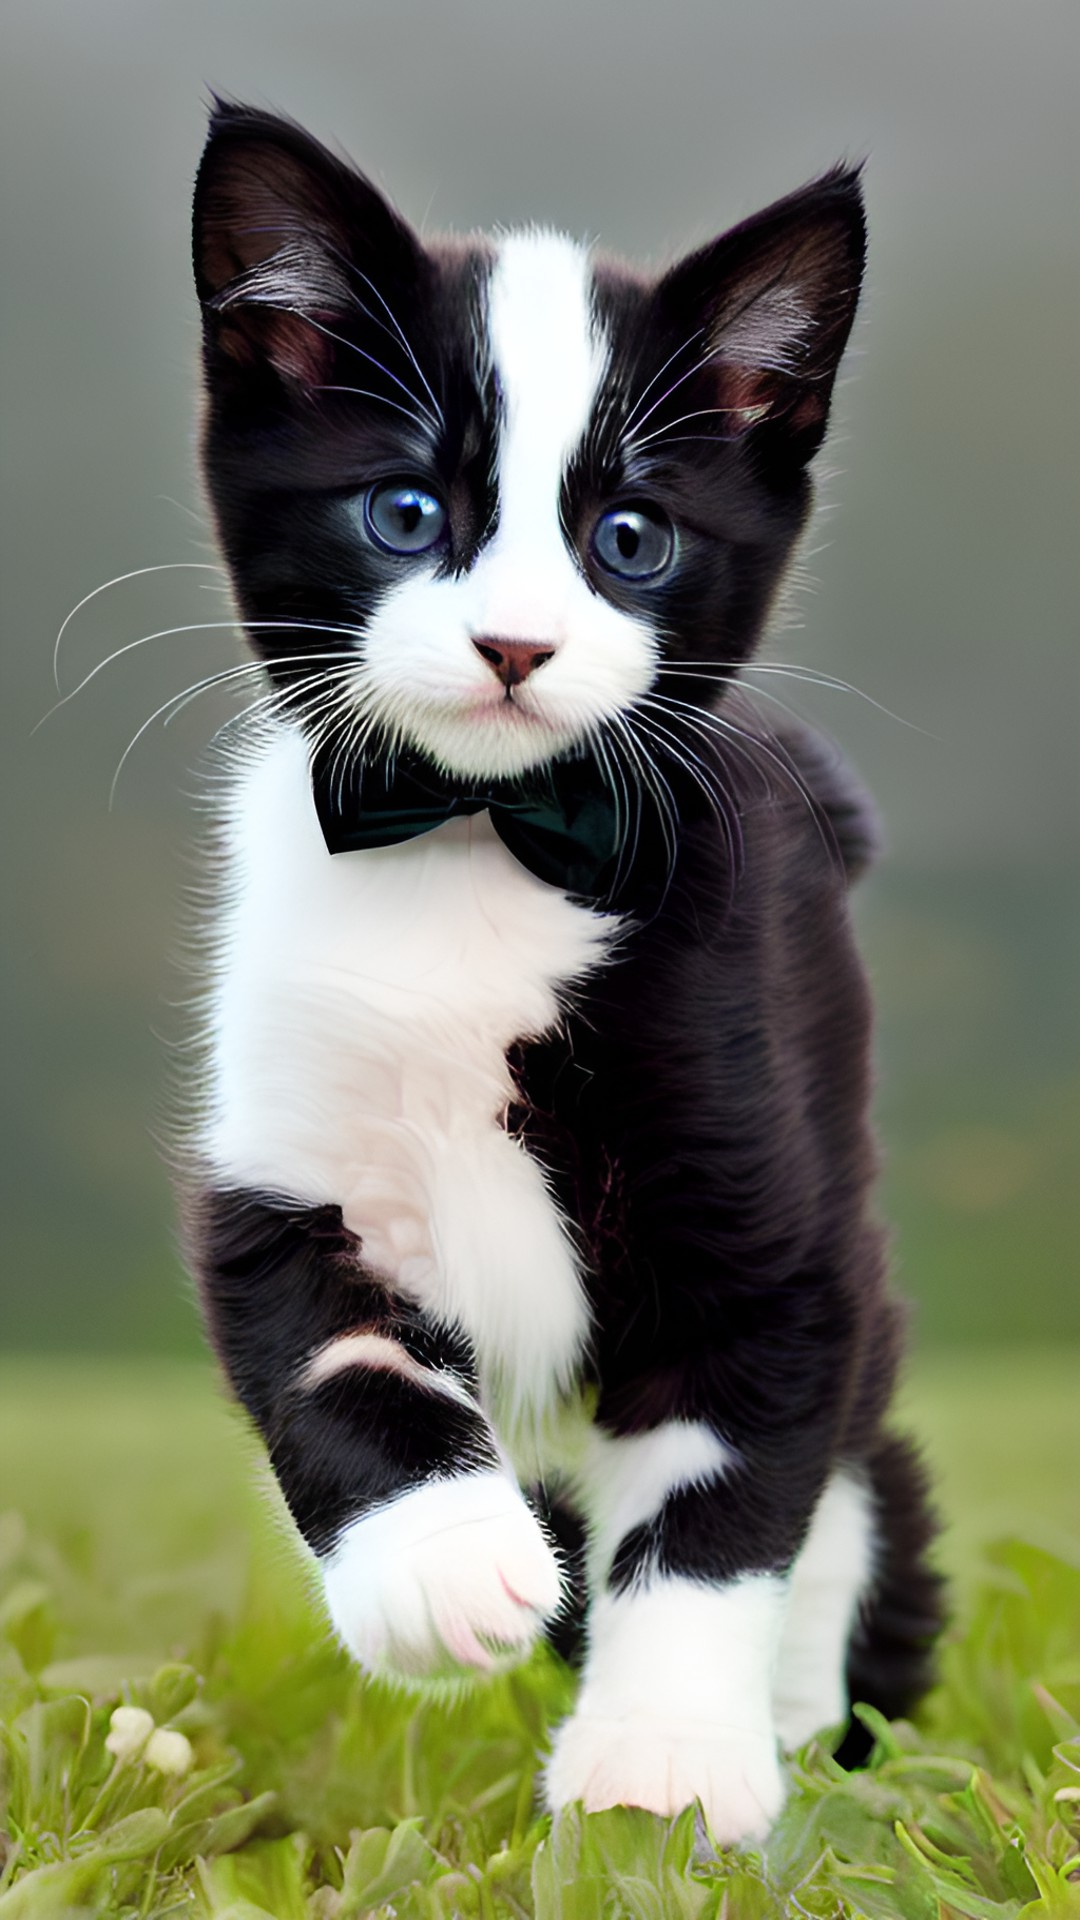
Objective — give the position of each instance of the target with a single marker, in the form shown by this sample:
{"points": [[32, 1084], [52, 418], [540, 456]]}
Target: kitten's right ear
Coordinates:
{"points": [[288, 244], [771, 304]]}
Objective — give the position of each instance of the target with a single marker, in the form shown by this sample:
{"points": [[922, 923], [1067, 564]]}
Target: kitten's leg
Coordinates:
{"points": [[890, 1655], [830, 1577], [430, 1556], [563, 1524], [676, 1698], [866, 1606]]}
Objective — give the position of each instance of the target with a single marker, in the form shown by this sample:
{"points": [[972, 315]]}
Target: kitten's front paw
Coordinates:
{"points": [[442, 1578], [665, 1765]]}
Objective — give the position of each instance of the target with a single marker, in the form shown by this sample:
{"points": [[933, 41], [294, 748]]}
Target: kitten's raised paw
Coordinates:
{"points": [[665, 1765], [443, 1579]]}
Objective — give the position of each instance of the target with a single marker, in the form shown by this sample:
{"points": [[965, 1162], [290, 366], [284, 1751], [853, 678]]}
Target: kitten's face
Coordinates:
{"points": [[494, 501]]}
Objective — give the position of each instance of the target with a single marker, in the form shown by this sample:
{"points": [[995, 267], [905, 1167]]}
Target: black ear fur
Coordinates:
{"points": [[287, 240], [773, 301]]}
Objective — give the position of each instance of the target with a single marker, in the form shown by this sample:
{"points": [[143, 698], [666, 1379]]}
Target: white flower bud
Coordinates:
{"points": [[129, 1730], [169, 1752]]}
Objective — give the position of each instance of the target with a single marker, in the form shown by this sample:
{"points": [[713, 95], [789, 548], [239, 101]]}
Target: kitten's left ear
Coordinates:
{"points": [[287, 242], [773, 302]]}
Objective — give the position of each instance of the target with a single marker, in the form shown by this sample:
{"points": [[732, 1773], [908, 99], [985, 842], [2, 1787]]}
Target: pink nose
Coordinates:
{"points": [[512, 661]]}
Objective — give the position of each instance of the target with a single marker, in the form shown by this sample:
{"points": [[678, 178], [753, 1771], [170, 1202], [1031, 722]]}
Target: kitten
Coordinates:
{"points": [[533, 1223]]}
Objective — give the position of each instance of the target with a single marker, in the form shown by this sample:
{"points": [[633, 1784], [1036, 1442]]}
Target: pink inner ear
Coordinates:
{"points": [[291, 342], [779, 318], [285, 306], [747, 395], [272, 250], [295, 346], [809, 409]]}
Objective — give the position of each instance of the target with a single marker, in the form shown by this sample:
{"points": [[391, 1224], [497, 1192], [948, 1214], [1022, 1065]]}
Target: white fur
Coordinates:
{"points": [[418, 1588], [675, 1705], [830, 1576], [363, 1006], [420, 672], [623, 1482], [765, 332], [380, 1354]]}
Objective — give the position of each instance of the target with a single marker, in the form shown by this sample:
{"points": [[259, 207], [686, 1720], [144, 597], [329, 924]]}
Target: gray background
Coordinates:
{"points": [[941, 580]]}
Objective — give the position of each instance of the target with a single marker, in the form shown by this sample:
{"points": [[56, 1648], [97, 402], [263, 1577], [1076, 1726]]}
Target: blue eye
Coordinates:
{"points": [[403, 519], [633, 543]]}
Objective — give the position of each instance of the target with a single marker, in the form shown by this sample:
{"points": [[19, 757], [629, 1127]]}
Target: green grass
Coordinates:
{"points": [[139, 1565]]}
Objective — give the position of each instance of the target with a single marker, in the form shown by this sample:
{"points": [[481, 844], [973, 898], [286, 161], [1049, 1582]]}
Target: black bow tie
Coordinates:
{"points": [[564, 822]]}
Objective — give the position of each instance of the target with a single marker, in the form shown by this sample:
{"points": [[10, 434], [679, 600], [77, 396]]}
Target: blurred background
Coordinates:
{"points": [[940, 578]]}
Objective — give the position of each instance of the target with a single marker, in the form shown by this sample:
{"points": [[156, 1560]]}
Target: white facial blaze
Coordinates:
{"points": [[420, 672], [549, 363]]}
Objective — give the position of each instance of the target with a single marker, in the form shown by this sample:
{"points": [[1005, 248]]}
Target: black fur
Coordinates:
{"points": [[702, 1111], [278, 1282]]}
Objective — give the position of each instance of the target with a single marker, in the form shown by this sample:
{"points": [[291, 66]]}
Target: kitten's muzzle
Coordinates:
{"points": [[512, 661]]}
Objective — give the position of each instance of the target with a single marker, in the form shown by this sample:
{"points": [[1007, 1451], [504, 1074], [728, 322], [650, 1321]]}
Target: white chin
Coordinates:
{"points": [[496, 743]]}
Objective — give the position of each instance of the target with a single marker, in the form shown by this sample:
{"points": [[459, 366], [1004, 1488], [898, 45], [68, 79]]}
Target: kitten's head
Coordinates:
{"points": [[482, 497]]}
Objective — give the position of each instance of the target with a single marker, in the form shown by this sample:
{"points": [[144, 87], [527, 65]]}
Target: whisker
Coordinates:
{"points": [[594, 739], [243, 294], [699, 439], [197, 626], [703, 718], [343, 341], [200, 519], [227, 676], [308, 694], [274, 697], [811, 676], [368, 393], [699, 413], [621, 740], [357, 723], [367, 717], [624, 809], [653, 779], [698, 367], [267, 705], [294, 690], [709, 783], [658, 375], [167, 566], [351, 267], [356, 730], [214, 680], [759, 693]]}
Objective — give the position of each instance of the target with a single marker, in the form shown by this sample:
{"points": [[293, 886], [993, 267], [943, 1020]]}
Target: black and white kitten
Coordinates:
{"points": [[534, 1223]]}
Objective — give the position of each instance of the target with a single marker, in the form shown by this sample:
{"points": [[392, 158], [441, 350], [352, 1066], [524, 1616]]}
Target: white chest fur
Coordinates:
{"points": [[362, 1009]]}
